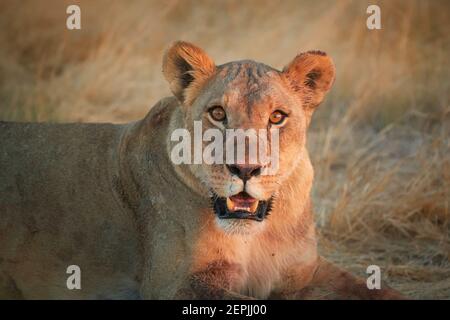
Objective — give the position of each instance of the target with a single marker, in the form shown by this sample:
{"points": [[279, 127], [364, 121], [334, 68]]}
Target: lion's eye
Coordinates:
{"points": [[217, 113], [277, 117]]}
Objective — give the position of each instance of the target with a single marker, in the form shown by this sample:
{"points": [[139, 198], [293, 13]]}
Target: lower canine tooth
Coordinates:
{"points": [[254, 206], [230, 204]]}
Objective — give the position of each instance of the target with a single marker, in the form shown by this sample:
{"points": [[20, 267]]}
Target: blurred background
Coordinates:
{"points": [[379, 143]]}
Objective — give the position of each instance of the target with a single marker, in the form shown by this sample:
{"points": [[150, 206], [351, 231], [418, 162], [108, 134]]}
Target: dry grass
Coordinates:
{"points": [[380, 144]]}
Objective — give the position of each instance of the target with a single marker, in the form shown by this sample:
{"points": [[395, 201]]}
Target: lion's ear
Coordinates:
{"points": [[186, 68], [311, 74]]}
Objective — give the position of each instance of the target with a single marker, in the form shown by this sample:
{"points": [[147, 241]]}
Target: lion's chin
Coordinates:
{"points": [[240, 227], [241, 206]]}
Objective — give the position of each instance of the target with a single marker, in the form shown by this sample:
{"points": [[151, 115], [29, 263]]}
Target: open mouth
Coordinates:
{"points": [[241, 206]]}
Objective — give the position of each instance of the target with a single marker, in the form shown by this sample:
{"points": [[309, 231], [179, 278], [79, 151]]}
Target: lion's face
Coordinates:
{"points": [[265, 107]]}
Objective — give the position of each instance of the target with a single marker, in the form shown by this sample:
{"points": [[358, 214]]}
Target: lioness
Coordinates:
{"points": [[108, 198]]}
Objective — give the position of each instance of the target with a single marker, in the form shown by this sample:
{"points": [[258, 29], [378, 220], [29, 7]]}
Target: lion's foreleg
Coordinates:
{"points": [[217, 280], [328, 281]]}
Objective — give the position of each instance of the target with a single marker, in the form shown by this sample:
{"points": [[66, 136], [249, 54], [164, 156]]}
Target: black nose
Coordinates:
{"points": [[245, 172]]}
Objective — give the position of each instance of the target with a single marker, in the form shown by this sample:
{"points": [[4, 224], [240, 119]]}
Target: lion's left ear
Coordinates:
{"points": [[186, 68], [311, 74]]}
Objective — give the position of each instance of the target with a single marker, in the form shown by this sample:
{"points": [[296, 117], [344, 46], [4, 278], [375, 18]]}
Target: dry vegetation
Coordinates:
{"points": [[380, 144]]}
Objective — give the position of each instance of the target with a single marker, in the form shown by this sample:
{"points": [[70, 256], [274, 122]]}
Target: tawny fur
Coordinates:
{"points": [[108, 198]]}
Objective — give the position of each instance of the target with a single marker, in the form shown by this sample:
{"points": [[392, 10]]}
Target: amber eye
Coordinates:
{"points": [[277, 117], [217, 113]]}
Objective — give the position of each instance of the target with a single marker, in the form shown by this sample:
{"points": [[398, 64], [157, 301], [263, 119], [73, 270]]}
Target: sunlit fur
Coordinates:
{"points": [[249, 92], [278, 255], [109, 199]]}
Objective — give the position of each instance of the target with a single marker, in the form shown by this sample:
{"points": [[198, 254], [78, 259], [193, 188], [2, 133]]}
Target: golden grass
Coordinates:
{"points": [[380, 142]]}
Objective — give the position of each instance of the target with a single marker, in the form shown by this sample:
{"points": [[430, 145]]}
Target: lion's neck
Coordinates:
{"points": [[183, 172]]}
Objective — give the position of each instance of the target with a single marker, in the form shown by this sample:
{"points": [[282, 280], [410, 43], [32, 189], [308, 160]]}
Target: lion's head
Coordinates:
{"points": [[246, 95]]}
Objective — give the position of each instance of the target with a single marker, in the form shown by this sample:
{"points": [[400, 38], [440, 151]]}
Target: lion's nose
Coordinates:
{"points": [[245, 172]]}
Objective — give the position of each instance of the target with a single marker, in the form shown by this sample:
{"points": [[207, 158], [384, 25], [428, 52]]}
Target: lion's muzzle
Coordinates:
{"points": [[241, 206]]}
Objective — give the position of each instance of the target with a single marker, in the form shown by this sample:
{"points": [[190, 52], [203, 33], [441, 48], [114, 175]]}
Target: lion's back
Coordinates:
{"points": [[39, 161], [56, 206]]}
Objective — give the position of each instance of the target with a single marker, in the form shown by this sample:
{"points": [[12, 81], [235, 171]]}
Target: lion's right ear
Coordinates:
{"points": [[186, 68]]}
